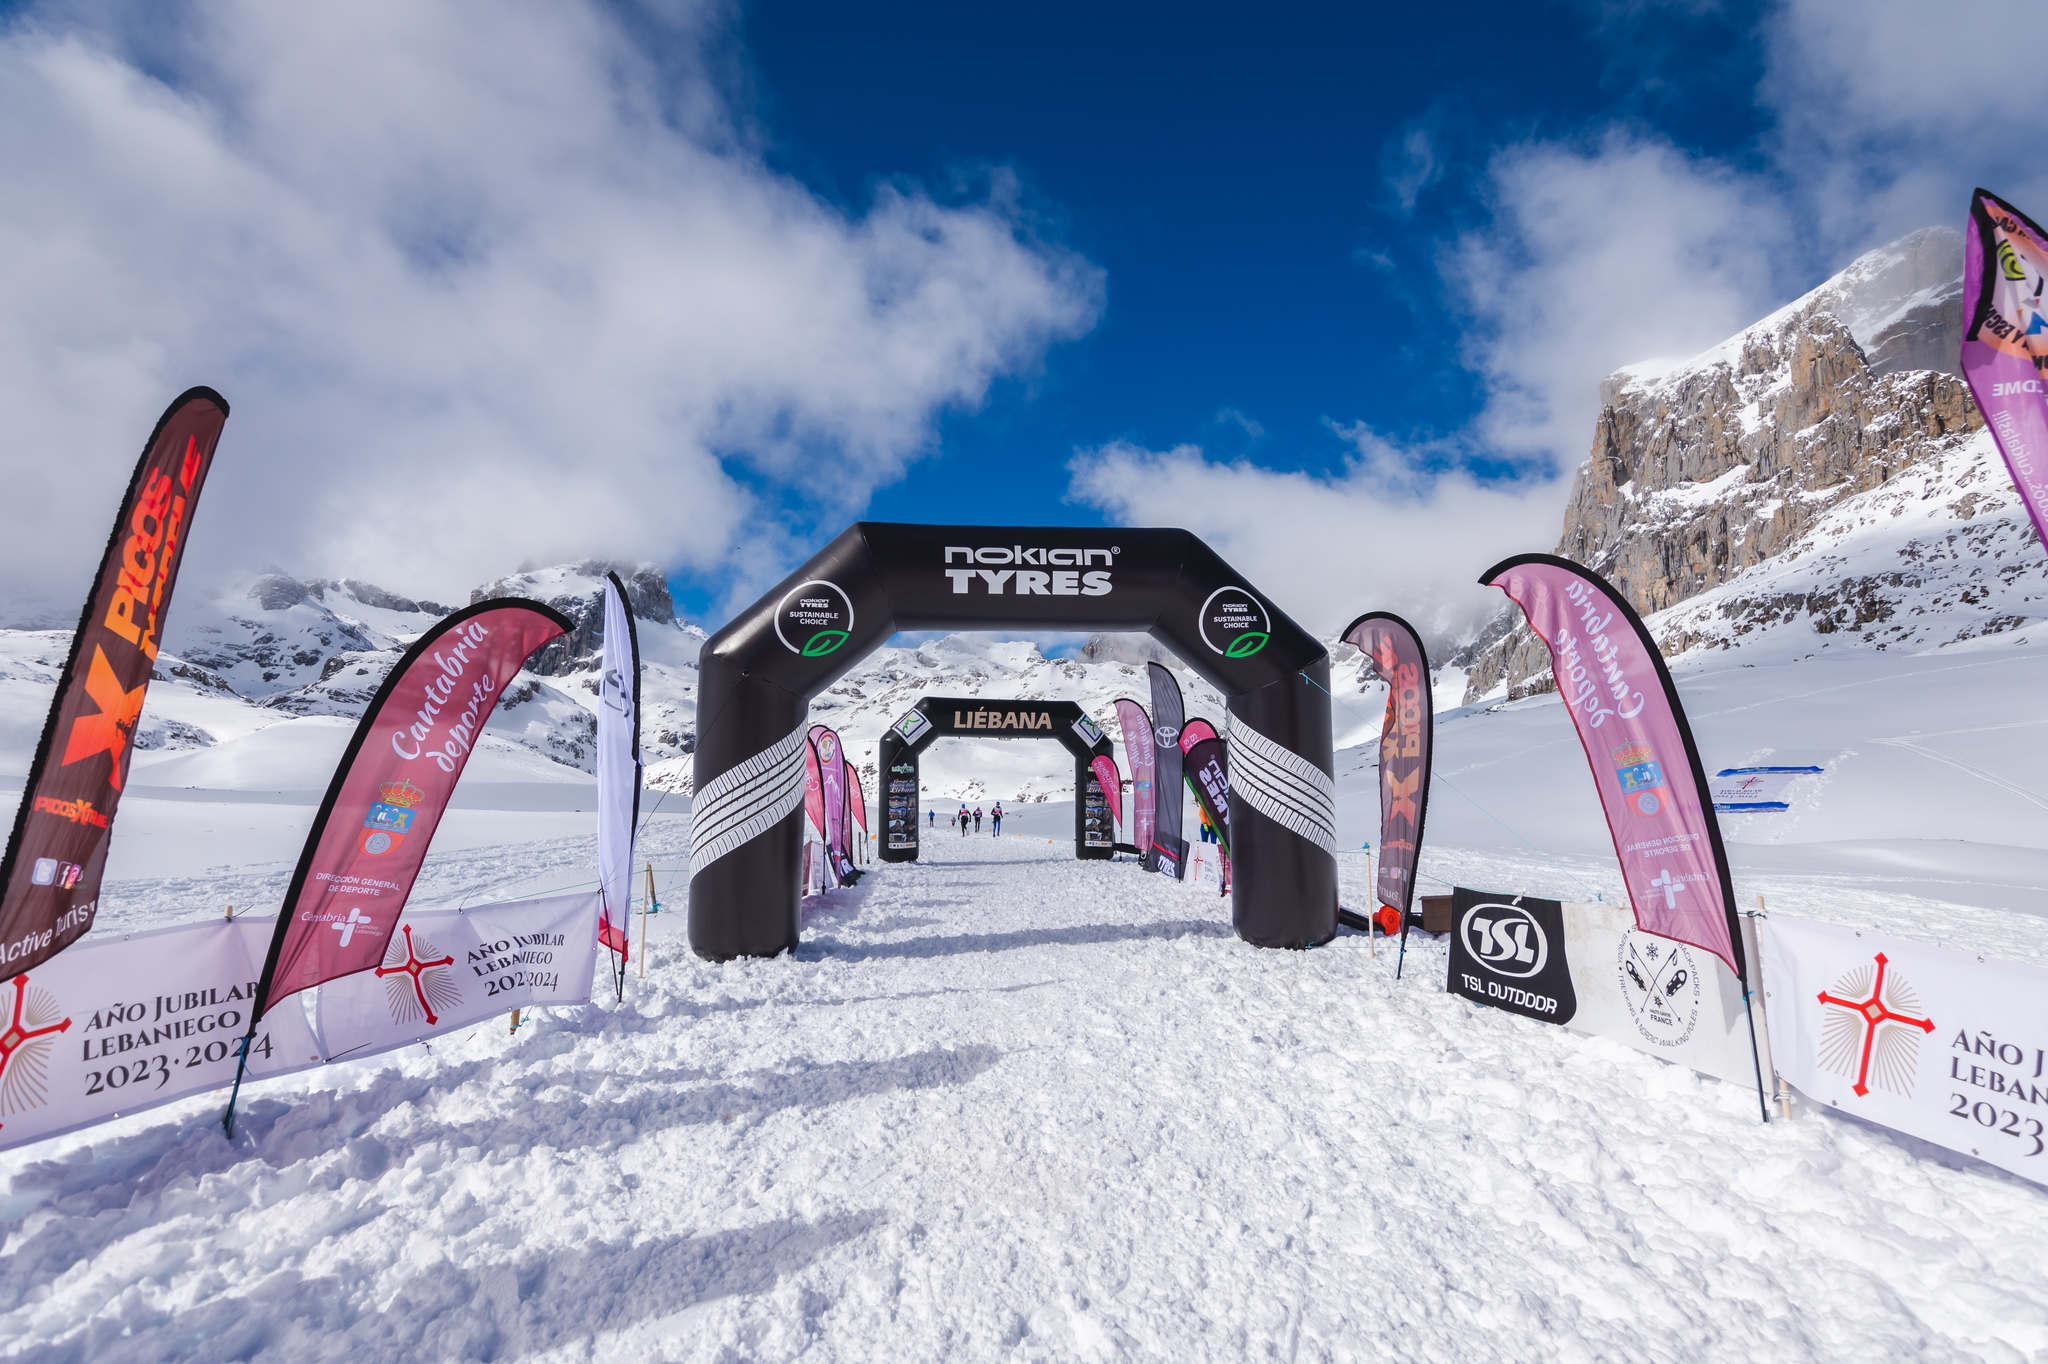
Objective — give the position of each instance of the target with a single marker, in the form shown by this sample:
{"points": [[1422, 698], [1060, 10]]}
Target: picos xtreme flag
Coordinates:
{"points": [[57, 851]]}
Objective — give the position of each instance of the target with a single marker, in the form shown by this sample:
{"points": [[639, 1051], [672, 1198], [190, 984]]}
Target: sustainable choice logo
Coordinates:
{"points": [[1233, 623], [814, 618]]}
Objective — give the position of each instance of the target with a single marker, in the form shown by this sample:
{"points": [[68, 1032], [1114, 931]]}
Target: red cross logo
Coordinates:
{"points": [[19, 1039], [1858, 1031], [414, 968]]}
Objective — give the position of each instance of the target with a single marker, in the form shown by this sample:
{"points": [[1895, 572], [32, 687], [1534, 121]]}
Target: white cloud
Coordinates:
{"points": [[1607, 249], [1890, 111], [484, 282], [1377, 536], [1598, 256]]}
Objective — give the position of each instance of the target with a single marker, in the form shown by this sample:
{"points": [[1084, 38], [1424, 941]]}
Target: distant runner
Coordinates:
{"points": [[977, 819]]}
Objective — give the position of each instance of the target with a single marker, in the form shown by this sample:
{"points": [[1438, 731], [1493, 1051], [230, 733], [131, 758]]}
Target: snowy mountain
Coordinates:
{"points": [[258, 687], [1821, 478]]}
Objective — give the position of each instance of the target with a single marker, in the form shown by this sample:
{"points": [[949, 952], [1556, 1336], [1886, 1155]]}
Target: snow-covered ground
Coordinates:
{"points": [[1003, 1104]]}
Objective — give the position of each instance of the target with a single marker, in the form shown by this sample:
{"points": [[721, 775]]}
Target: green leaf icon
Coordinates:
{"points": [[824, 642], [1247, 644]]}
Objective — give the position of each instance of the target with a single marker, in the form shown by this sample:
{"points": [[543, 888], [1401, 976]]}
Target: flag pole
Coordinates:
{"points": [[1779, 1090], [643, 919], [1763, 1106], [227, 1121], [1372, 890]]}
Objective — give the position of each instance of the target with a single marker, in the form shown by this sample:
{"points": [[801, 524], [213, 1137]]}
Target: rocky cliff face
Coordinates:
{"points": [[577, 591], [1706, 471]]}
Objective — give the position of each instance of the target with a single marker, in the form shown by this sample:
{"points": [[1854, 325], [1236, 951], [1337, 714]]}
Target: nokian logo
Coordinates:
{"points": [[1030, 570]]}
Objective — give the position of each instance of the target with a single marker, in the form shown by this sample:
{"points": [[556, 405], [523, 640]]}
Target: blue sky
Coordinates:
{"points": [[497, 283], [1239, 179]]}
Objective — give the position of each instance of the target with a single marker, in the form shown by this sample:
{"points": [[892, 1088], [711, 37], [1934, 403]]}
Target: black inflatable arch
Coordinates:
{"points": [[759, 673], [975, 717]]}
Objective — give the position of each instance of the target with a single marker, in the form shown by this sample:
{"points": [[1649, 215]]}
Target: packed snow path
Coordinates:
{"points": [[1003, 1104]]}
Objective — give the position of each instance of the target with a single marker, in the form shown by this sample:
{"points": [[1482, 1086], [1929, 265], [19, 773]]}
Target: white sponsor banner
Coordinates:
{"points": [[116, 1025], [449, 968], [1745, 789], [618, 767], [1675, 1002], [1948, 1046]]}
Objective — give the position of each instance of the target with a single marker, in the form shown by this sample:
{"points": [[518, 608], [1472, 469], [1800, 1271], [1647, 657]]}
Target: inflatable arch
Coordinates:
{"points": [[939, 717], [759, 673]]}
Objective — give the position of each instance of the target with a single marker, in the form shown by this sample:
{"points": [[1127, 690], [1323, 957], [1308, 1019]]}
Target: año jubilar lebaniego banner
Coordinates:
{"points": [[57, 853]]}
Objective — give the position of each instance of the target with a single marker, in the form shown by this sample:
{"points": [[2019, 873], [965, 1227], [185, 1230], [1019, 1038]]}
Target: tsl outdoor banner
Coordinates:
{"points": [[2005, 340], [618, 767], [1947, 1046], [57, 851], [1652, 788], [393, 784], [123, 1024], [1137, 729], [1508, 951], [446, 969], [1393, 651], [1590, 968]]}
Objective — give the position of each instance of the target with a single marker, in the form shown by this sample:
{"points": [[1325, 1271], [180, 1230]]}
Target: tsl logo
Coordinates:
{"points": [[1505, 939]]}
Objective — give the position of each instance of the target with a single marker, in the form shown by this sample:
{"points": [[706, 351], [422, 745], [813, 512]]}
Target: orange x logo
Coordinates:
{"points": [[106, 732], [1402, 793]]}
